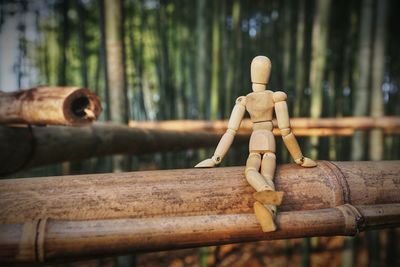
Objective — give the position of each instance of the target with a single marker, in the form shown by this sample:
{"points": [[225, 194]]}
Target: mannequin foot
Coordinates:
{"points": [[269, 197], [264, 217]]}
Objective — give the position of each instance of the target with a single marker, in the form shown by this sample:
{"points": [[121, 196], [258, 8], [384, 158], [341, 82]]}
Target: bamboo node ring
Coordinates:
{"points": [[354, 220]]}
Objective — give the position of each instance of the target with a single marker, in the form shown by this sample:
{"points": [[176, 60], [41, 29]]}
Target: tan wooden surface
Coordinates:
{"points": [[92, 215], [194, 191]]}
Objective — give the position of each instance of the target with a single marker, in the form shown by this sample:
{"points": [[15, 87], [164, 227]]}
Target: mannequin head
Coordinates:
{"points": [[260, 71]]}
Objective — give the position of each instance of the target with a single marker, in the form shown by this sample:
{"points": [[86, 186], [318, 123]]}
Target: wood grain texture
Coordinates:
{"points": [[92, 215], [93, 238], [127, 235], [50, 105], [190, 192]]}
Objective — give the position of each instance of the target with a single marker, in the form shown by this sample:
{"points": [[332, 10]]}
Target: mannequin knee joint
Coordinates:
{"points": [[253, 162], [269, 155]]}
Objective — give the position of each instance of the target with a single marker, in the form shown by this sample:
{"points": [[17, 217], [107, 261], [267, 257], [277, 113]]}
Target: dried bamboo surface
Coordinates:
{"points": [[46, 219], [24, 147], [49, 105], [301, 126]]}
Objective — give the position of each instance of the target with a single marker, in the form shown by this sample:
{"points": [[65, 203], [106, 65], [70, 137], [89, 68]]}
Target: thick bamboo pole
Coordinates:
{"points": [[304, 126], [49, 105], [44, 219], [22, 147], [30, 147], [53, 240]]}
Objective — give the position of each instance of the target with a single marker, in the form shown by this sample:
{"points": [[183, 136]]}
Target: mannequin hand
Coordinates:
{"points": [[306, 162], [207, 163]]}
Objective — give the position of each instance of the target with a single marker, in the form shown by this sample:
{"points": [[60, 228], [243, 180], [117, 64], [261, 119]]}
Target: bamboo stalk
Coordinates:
{"points": [[29, 147], [22, 147], [46, 219], [76, 239], [49, 105], [389, 124], [362, 76]]}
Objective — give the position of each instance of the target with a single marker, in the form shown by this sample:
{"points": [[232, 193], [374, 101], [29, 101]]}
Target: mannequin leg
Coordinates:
{"points": [[268, 166], [264, 214], [269, 196], [253, 176]]}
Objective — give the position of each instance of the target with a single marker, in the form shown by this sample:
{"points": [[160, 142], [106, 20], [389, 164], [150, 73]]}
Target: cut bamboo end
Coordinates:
{"points": [[269, 197], [264, 217], [50, 106], [81, 107]]}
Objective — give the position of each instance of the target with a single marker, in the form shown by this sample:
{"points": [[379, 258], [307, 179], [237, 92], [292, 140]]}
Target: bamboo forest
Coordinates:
{"points": [[113, 113]]}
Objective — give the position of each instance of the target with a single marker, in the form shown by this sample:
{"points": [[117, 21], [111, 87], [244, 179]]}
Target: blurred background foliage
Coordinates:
{"points": [[191, 59]]}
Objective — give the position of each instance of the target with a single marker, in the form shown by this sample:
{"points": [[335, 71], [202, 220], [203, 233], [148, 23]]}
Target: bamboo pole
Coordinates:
{"points": [[377, 108], [22, 147], [52, 218], [347, 125], [319, 46], [29, 147], [49, 105], [362, 75]]}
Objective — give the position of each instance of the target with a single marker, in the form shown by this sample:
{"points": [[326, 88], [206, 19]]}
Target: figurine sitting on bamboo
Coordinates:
{"points": [[260, 165]]}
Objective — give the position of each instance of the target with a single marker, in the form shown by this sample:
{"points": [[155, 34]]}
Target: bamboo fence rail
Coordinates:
{"points": [[53, 218], [49, 105], [25, 147], [301, 126]]}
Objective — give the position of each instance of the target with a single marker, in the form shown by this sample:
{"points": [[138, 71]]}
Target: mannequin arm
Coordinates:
{"points": [[227, 139], [282, 116]]}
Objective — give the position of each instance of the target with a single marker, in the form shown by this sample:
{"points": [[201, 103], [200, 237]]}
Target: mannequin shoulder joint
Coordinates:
{"points": [[241, 100], [279, 96]]}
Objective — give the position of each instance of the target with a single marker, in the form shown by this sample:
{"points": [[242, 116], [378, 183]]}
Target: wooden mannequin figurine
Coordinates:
{"points": [[260, 165]]}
